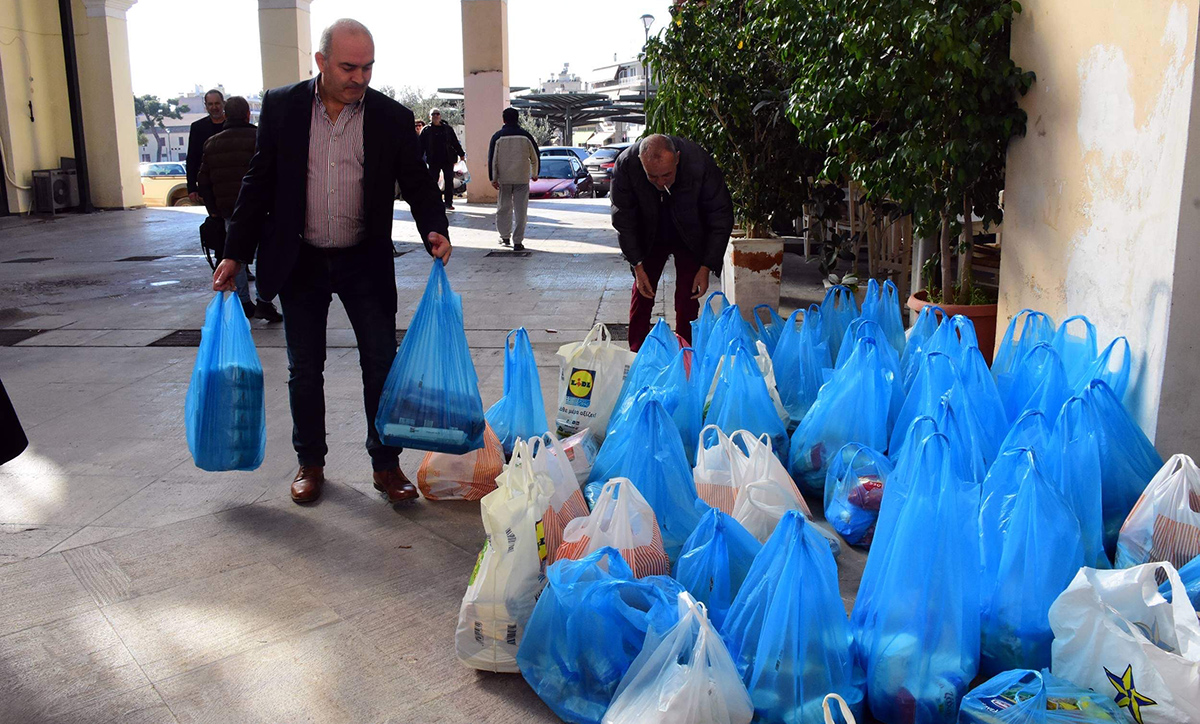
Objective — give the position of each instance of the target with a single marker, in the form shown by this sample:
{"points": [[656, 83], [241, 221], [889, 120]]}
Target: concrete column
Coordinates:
{"points": [[106, 94], [285, 41], [485, 86], [1102, 195]]}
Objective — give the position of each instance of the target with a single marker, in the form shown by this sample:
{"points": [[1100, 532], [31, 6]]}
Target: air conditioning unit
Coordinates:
{"points": [[55, 189]]}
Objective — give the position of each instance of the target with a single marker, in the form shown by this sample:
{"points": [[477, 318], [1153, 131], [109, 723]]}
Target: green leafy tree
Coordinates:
{"points": [[539, 128], [153, 112], [721, 83]]}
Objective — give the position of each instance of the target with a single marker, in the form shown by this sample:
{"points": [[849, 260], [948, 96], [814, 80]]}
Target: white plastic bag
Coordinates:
{"points": [[686, 677], [1164, 525], [1114, 633], [510, 572], [582, 449], [624, 520], [713, 472], [590, 376], [843, 708], [566, 502]]}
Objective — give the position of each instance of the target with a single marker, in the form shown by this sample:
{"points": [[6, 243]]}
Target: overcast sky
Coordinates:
{"points": [[174, 45]]}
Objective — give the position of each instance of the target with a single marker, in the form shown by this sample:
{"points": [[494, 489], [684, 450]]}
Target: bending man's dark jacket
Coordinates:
{"points": [[200, 132], [702, 210], [226, 160], [509, 130], [440, 145], [268, 220]]}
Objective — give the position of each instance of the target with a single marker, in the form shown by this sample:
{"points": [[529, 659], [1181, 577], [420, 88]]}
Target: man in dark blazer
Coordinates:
{"points": [[316, 208]]}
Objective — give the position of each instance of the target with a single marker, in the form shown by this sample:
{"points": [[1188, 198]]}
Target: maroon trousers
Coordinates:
{"points": [[686, 308]]}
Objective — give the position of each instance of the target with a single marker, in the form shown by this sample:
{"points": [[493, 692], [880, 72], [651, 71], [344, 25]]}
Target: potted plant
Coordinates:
{"points": [[720, 84], [916, 102]]}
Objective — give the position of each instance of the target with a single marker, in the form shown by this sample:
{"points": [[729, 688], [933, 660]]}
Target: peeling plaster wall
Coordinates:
{"points": [[1092, 201]]}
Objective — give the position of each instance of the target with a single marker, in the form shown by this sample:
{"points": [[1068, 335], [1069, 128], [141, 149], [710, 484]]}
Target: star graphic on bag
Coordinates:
{"points": [[1127, 694]]}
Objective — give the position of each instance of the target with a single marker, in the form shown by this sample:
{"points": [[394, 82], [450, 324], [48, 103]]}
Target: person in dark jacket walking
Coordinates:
{"points": [[442, 150], [669, 199], [201, 131], [226, 160], [512, 163]]}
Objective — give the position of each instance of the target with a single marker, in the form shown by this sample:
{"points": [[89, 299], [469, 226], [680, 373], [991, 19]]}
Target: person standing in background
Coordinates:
{"points": [[201, 131], [226, 160], [442, 150], [420, 125], [512, 163]]}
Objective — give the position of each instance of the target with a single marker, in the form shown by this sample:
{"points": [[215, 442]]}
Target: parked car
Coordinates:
{"points": [[600, 165], [576, 151], [164, 183], [561, 177]]}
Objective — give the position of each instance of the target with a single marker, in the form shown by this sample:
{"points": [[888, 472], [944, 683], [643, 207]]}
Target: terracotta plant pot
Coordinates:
{"points": [[983, 316]]}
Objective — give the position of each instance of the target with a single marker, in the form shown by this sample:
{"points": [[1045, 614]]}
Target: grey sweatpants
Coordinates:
{"points": [[514, 201]]}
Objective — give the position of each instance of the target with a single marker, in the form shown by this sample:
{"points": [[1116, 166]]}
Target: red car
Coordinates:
{"points": [[561, 177]]}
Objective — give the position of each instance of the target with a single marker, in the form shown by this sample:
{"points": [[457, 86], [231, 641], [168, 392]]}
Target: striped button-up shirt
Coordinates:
{"points": [[334, 217]]}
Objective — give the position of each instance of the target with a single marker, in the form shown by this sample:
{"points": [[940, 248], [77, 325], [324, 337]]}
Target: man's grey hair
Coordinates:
{"points": [[435, 111], [657, 146], [237, 107], [347, 24]]}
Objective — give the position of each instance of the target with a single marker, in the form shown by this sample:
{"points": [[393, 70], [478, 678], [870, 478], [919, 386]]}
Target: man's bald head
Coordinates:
{"points": [[659, 159], [346, 59]]}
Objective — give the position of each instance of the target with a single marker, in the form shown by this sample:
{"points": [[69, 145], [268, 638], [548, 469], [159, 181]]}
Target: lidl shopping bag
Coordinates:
{"points": [[715, 561], [549, 459], [1031, 550], [919, 666], [470, 476], [1164, 525], [510, 572], [684, 677], [853, 406], [520, 413], [854, 492], [590, 376], [431, 397], [225, 409], [587, 628], [786, 629], [1022, 696], [1114, 633], [621, 519], [1128, 461]]}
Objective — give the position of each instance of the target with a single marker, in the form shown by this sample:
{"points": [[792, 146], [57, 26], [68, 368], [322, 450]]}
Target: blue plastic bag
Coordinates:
{"points": [[1127, 458], [1031, 549], [801, 361], [521, 412], [671, 387], [863, 327], [1036, 328], [650, 453], [586, 629], [1032, 430], [714, 562], [661, 331], [954, 337], [981, 390], [923, 633], [1022, 696], [728, 329], [938, 392], [1038, 382], [431, 397], [225, 410], [854, 488], [786, 629], [707, 318], [1075, 342], [1073, 465], [1190, 575], [928, 320], [853, 406], [1112, 369], [883, 308], [741, 400], [838, 310], [769, 331]]}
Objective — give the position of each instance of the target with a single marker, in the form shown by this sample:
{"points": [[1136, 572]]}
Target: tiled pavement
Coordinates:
{"points": [[136, 588]]}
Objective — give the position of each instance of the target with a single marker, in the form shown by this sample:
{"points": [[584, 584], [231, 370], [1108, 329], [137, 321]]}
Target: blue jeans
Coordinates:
{"points": [[369, 297]]}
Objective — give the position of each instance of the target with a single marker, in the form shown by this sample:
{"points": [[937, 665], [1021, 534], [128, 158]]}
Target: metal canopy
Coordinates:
{"points": [[570, 109]]}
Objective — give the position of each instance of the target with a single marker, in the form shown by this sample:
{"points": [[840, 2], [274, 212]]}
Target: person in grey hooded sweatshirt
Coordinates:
{"points": [[512, 163]]}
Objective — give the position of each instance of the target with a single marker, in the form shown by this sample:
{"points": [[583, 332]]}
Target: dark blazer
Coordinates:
{"points": [[198, 134], [268, 220], [700, 204]]}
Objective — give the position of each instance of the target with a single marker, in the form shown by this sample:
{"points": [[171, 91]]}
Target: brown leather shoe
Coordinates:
{"points": [[307, 485], [396, 485]]}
